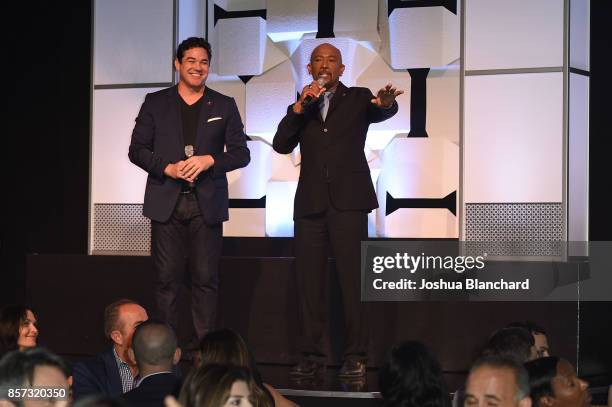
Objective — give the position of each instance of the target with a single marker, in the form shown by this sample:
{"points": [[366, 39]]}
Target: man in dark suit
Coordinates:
{"points": [[179, 140], [111, 373], [334, 195], [155, 351]]}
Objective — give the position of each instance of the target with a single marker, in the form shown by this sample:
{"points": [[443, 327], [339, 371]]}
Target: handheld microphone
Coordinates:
{"points": [[189, 153], [188, 150], [309, 99]]}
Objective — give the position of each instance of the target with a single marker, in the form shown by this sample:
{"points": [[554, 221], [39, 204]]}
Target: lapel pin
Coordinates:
{"points": [[209, 103]]}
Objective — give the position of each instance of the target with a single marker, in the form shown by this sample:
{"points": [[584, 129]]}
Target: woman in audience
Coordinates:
{"points": [[225, 346], [214, 385], [412, 377], [17, 328], [553, 383]]}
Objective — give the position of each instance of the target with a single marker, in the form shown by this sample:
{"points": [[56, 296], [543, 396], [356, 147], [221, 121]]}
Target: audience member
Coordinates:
{"points": [[539, 336], [412, 377], [553, 383], [213, 385], [155, 351], [497, 381], [111, 373], [32, 368], [511, 343], [100, 401], [225, 346], [17, 328]]}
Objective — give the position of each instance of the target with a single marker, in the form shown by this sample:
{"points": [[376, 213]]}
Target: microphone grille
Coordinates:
{"points": [[189, 150]]}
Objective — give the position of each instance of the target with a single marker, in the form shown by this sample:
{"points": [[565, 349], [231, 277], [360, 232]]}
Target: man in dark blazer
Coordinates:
{"points": [[111, 373], [334, 195], [155, 351], [179, 140]]}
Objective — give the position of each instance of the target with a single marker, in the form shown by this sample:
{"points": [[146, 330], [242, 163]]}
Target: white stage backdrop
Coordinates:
{"points": [[425, 168]]}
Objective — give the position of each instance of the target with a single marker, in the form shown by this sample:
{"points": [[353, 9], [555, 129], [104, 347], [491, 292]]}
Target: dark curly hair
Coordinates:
{"points": [[412, 377], [11, 318], [193, 42]]}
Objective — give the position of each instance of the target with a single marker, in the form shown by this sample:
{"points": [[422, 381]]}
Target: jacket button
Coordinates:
{"points": [[325, 130]]}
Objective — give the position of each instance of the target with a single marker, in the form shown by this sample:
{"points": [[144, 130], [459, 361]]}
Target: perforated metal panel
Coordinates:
{"points": [[121, 227], [515, 229]]}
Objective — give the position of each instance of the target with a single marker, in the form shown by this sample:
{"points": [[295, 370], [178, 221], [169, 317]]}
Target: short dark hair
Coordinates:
{"points": [[532, 327], [193, 42], [111, 315], [11, 318], [541, 372], [412, 377], [17, 368], [510, 343], [154, 343], [499, 362]]}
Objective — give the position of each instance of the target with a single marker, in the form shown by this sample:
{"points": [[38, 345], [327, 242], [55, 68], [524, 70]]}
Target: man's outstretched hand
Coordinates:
{"points": [[386, 96]]}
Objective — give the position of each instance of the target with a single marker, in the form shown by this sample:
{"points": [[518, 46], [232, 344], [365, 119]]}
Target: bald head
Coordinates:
{"points": [[154, 344], [326, 65], [326, 49]]}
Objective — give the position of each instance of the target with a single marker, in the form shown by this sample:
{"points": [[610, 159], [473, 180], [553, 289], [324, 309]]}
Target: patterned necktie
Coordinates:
{"points": [[325, 104]]}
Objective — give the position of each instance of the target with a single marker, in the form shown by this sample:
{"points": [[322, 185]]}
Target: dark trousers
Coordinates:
{"points": [[344, 231], [185, 236]]}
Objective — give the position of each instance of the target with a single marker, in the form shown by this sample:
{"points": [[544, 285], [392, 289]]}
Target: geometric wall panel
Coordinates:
{"points": [[418, 168], [249, 222], [423, 37], [443, 103], [420, 223], [356, 19], [375, 77], [501, 34], [250, 182], [116, 179], [243, 45], [267, 98], [121, 227], [133, 41], [513, 138], [289, 20], [279, 208]]}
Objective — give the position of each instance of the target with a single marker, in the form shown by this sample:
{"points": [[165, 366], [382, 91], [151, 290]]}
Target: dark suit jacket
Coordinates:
{"points": [[99, 375], [152, 390], [157, 140], [333, 160]]}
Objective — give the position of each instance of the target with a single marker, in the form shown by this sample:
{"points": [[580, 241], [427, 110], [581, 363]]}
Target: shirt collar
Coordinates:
{"points": [[118, 359], [139, 381]]}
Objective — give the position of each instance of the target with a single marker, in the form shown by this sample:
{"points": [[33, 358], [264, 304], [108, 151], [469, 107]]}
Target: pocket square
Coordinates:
{"points": [[212, 119]]}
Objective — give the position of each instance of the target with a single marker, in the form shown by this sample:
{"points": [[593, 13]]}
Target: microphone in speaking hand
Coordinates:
{"points": [[189, 153], [309, 99]]}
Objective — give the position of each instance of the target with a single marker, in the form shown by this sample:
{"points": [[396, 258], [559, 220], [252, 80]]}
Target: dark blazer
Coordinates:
{"points": [[157, 140], [99, 375], [333, 160], [152, 390]]}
